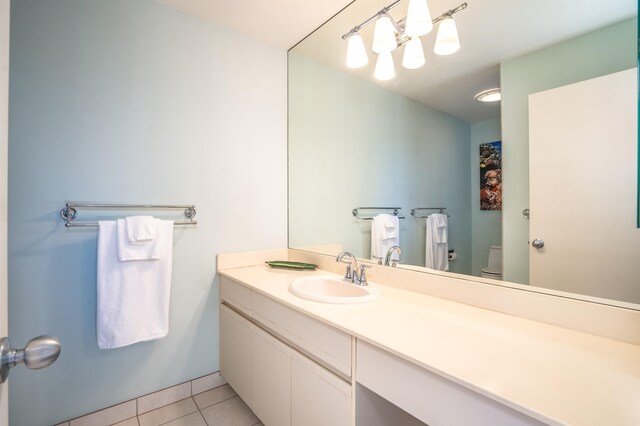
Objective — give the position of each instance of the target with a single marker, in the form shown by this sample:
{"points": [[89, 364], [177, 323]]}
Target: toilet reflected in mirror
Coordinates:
{"points": [[493, 269]]}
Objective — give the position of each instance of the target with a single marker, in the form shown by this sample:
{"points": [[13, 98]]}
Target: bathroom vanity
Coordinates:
{"points": [[410, 357]]}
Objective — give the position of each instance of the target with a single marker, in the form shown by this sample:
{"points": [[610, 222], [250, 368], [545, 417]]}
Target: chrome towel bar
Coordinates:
{"points": [[356, 212], [70, 212]]}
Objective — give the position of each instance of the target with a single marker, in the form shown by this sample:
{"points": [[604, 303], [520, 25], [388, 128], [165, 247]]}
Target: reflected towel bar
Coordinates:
{"points": [[441, 210], [356, 212], [70, 212]]}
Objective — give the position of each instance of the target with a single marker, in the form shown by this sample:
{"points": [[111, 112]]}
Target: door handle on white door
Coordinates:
{"points": [[40, 352], [537, 243]]}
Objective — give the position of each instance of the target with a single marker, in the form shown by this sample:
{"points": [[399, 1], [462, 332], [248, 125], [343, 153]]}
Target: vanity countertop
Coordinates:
{"points": [[556, 375]]}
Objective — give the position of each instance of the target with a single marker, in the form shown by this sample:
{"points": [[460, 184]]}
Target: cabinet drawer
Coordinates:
{"points": [[236, 294], [428, 396], [328, 344]]}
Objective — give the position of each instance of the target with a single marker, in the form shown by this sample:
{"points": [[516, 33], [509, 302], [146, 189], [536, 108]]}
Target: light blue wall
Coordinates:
{"points": [[602, 52], [353, 143], [485, 224], [131, 101]]}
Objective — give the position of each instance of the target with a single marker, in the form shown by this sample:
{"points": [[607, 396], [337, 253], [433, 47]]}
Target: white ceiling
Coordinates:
{"points": [[280, 23], [490, 32]]}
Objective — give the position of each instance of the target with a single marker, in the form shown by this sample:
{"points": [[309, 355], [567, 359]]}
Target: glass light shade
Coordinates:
{"points": [[356, 52], [413, 54], [384, 67], [447, 41], [418, 19], [384, 35]]}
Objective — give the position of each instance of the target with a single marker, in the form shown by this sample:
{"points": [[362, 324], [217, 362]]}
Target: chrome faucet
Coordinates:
{"points": [[352, 265], [388, 261], [352, 274], [361, 279]]}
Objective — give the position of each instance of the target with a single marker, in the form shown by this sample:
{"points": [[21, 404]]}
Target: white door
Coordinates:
{"points": [[43, 350], [583, 173], [4, 112]]}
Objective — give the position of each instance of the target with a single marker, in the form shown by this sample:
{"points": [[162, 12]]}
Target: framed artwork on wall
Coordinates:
{"points": [[491, 176]]}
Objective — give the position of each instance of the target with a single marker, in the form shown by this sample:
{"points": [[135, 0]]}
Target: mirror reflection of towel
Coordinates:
{"points": [[385, 233], [390, 226], [436, 244]]}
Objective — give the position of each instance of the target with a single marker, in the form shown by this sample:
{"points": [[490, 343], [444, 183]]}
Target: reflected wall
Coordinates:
{"points": [[353, 143], [598, 53], [486, 225]]}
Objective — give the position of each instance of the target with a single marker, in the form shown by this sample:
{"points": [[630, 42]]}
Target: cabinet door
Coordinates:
{"points": [[318, 397], [235, 352], [271, 378]]}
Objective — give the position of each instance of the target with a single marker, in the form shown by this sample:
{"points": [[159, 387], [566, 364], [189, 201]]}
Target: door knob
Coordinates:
{"points": [[537, 243], [40, 352]]}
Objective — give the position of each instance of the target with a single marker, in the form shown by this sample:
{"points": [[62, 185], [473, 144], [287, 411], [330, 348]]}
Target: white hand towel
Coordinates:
{"points": [[391, 226], [436, 243], [133, 297], [440, 221], [128, 251], [141, 228], [383, 237]]}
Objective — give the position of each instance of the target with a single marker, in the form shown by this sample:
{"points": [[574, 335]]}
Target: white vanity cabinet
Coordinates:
{"points": [[293, 370], [413, 359], [284, 364]]}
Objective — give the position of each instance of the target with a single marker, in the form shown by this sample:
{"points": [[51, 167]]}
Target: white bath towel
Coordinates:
{"points": [[436, 244], [385, 233], [142, 250], [141, 228], [133, 297]]}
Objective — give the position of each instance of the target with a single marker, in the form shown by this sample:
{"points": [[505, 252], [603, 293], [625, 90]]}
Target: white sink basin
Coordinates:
{"points": [[332, 289]]}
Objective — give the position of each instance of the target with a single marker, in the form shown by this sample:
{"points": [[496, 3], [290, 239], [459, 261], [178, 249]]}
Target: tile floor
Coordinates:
{"points": [[220, 406]]}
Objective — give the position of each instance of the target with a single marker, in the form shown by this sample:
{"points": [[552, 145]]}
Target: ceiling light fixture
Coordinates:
{"points": [[491, 95], [389, 35]]}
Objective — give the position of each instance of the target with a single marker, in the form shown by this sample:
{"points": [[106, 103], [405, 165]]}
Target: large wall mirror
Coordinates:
{"points": [[555, 161]]}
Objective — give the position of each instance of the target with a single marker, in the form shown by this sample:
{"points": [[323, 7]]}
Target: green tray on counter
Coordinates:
{"points": [[293, 266]]}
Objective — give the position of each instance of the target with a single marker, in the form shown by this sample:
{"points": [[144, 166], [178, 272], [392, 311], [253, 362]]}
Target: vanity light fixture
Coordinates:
{"points": [[447, 41], [413, 57], [491, 95], [384, 36], [389, 35], [356, 52], [384, 67], [418, 21]]}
